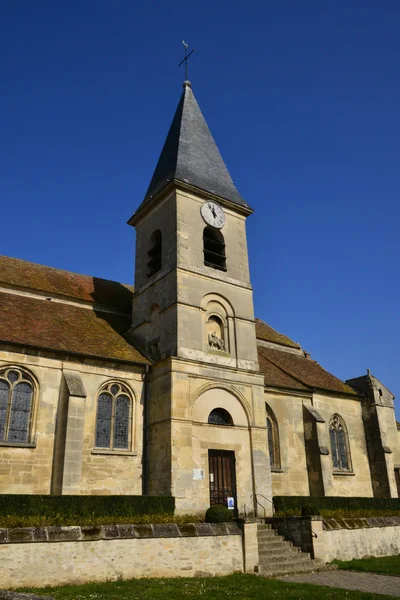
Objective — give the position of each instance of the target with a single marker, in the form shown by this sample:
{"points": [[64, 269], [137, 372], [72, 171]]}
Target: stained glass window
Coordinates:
{"points": [[113, 422], [334, 448], [339, 444], [4, 394], [16, 405], [103, 424], [273, 438], [121, 422], [270, 443]]}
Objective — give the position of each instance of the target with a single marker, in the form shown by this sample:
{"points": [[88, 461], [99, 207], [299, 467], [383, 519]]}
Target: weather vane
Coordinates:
{"points": [[185, 60]]}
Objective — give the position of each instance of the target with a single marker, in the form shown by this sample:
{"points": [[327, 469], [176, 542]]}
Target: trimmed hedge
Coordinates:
{"points": [[218, 513], [321, 503], [71, 507]]}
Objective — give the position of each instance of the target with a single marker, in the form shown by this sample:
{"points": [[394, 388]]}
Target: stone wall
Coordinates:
{"points": [[70, 555], [61, 456], [341, 539]]}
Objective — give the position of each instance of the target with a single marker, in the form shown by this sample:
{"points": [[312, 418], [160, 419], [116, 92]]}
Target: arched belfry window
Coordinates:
{"points": [[220, 416], [154, 253], [340, 447], [273, 439], [16, 406], [214, 248], [114, 418]]}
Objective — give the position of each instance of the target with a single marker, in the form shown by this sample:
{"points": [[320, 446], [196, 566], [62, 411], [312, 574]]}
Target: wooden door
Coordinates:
{"points": [[222, 477]]}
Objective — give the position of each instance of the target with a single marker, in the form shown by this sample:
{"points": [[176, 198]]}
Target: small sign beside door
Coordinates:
{"points": [[198, 474], [230, 502]]}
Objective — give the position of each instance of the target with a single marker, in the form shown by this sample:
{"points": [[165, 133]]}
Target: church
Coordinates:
{"points": [[173, 387]]}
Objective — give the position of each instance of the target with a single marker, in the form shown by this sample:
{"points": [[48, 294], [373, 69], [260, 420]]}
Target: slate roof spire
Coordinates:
{"points": [[190, 155]]}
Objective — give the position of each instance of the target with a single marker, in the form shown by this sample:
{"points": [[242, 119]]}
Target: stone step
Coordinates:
{"points": [[285, 560], [294, 567], [264, 539], [284, 551], [275, 544], [263, 527], [267, 534]]}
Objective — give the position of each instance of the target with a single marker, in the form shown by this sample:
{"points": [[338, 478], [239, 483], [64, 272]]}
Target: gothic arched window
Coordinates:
{"points": [[154, 253], [220, 416], [214, 248], [114, 415], [16, 406], [339, 444], [273, 439]]}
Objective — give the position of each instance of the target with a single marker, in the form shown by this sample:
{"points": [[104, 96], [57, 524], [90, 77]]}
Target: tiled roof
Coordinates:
{"points": [[55, 282], [65, 327], [268, 334], [274, 376], [306, 372]]}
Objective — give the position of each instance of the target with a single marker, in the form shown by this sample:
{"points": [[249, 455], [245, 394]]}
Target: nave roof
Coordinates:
{"points": [[66, 312]]}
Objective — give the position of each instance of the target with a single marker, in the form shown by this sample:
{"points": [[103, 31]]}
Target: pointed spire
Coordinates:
{"points": [[190, 155]]}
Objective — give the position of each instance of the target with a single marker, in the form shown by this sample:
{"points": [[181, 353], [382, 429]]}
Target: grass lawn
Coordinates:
{"points": [[243, 587], [390, 565]]}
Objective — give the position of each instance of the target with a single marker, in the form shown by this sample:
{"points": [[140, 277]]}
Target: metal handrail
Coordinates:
{"points": [[262, 506]]}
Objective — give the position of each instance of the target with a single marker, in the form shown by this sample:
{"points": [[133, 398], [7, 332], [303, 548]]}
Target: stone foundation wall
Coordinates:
{"points": [[50, 556]]}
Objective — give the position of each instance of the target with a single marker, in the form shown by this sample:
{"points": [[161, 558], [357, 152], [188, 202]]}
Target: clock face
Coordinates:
{"points": [[213, 214]]}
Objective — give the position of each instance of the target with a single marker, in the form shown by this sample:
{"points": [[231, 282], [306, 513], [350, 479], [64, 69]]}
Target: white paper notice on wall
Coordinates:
{"points": [[231, 503], [198, 474]]}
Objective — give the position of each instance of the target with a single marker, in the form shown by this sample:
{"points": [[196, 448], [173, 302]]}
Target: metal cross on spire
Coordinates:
{"points": [[185, 60]]}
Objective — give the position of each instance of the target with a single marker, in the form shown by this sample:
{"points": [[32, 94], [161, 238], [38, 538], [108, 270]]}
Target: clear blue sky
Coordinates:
{"points": [[303, 100]]}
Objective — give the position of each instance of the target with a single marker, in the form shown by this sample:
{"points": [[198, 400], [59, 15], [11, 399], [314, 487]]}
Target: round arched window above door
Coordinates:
{"points": [[220, 416]]}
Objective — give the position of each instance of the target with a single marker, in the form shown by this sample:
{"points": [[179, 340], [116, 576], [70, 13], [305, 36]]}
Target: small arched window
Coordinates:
{"points": [[339, 444], [114, 416], [273, 439], [220, 416], [214, 248], [16, 406], [154, 253]]}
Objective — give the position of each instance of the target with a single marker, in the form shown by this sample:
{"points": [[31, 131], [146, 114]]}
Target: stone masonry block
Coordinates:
{"points": [[40, 534], [204, 529], [64, 534], [90, 532], [110, 532], [126, 531], [188, 530], [20, 534], [143, 531], [166, 530]]}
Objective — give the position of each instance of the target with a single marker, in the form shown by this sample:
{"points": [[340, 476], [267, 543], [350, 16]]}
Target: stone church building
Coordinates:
{"points": [[173, 387]]}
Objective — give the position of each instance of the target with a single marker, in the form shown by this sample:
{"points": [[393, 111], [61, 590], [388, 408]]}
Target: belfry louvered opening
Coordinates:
{"points": [[154, 253], [214, 249]]}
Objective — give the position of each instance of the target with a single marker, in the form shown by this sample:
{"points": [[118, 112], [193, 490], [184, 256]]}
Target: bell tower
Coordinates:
{"points": [[193, 317], [193, 297]]}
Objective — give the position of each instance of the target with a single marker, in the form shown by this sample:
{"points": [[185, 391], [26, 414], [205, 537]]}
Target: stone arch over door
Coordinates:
{"points": [[219, 397], [220, 448]]}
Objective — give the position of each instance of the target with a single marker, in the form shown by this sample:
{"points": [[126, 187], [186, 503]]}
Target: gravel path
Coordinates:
{"points": [[351, 580]]}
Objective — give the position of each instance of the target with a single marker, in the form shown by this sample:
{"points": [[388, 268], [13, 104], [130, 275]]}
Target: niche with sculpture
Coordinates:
{"points": [[215, 333]]}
